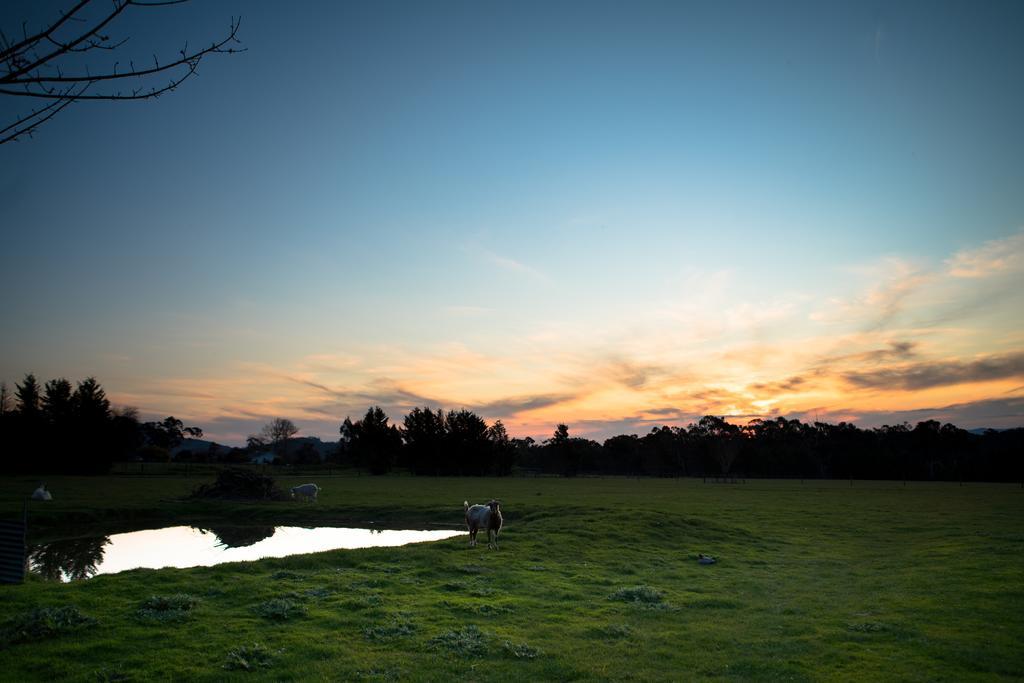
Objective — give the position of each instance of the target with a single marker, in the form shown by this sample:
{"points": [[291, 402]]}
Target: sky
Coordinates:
{"points": [[613, 215]]}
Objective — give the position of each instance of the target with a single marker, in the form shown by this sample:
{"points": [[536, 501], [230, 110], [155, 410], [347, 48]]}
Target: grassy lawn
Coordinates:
{"points": [[596, 579]]}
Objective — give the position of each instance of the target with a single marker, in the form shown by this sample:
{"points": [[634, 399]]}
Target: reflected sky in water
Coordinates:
{"points": [[185, 546]]}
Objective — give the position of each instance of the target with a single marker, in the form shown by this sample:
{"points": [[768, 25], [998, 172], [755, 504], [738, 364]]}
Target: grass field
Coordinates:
{"points": [[596, 579]]}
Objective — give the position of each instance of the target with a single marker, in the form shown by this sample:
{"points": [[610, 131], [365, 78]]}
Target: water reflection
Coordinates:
{"points": [[184, 546], [68, 559], [239, 536]]}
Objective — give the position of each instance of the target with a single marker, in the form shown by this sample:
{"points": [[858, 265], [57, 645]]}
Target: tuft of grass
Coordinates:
{"points": [[389, 674], [616, 631], [396, 629], [365, 601], [42, 623], [249, 658], [488, 610], [106, 675], [166, 608], [280, 609], [468, 641], [522, 650], [713, 603], [867, 627], [318, 593], [285, 574], [642, 595]]}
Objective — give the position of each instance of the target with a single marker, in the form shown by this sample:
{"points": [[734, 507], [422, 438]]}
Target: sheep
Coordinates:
{"points": [[306, 491], [483, 517], [41, 493]]}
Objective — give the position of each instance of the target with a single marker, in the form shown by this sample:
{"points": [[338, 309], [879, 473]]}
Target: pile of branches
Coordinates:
{"points": [[236, 483]]}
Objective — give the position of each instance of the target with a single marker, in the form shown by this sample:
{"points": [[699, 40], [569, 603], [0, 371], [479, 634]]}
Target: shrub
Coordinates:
{"points": [[237, 483]]}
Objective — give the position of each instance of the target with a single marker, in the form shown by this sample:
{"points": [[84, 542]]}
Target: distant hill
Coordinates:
{"points": [[202, 445], [324, 448], [980, 431]]}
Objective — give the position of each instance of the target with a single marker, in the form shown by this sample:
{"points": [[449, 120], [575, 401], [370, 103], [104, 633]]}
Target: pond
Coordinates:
{"points": [[187, 546]]}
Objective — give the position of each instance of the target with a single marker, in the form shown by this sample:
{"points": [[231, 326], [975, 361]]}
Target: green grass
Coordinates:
{"points": [[596, 579]]}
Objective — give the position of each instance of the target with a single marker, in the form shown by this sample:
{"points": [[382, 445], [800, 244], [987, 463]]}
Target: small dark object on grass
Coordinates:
{"points": [[236, 483], [705, 559], [42, 622]]}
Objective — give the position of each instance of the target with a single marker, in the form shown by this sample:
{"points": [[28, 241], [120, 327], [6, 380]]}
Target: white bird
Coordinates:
{"points": [[41, 493]]}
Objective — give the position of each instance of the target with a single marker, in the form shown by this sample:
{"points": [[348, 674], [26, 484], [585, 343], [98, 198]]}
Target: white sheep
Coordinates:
{"points": [[41, 493], [483, 517], [306, 491]]}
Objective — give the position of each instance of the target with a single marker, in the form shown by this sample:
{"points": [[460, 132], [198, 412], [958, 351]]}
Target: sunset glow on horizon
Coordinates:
{"points": [[612, 218]]}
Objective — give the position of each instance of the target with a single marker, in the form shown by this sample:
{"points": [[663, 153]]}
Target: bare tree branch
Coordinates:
{"points": [[27, 71]]}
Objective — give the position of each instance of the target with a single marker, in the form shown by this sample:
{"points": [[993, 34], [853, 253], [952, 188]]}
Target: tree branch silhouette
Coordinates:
{"points": [[34, 67]]}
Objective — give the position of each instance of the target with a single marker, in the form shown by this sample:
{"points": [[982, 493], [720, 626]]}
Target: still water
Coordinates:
{"points": [[186, 546]]}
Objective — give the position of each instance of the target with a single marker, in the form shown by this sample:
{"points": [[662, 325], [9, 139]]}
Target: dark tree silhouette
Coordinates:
{"points": [[58, 406], [424, 432], [55, 65], [6, 402], [28, 396], [503, 451], [371, 442], [169, 433], [277, 432]]}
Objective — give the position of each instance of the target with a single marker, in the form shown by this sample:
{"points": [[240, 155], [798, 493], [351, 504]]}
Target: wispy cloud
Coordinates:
{"points": [[507, 263], [940, 373], [994, 257]]}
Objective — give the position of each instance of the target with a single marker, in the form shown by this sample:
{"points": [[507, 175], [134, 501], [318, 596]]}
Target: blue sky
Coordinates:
{"points": [[547, 189]]}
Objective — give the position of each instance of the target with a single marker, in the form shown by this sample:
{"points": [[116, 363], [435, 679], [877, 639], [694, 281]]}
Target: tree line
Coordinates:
{"points": [[56, 427], [461, 443]]}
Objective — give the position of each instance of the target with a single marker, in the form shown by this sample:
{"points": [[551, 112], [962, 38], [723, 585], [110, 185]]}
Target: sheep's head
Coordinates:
{"points": [[494, 505]]}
